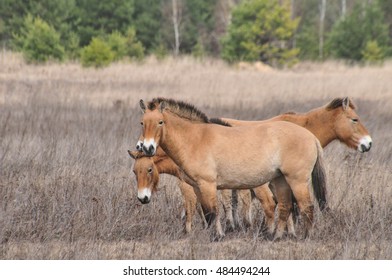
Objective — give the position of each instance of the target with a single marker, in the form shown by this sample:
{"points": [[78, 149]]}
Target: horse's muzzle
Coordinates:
{"points": [[365, 144], [144, 200], [366, 148], [148, 151]]}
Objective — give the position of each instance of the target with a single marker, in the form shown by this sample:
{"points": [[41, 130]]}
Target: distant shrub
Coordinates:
{"points": [[38, 41], [72, 48], [118, 44], [135, 48], [372, 53], [198, 50], [160, 52], [97, 54]]}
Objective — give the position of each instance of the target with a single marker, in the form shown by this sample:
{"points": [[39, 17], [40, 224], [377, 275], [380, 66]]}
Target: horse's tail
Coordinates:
{"points": [[319, 179]]}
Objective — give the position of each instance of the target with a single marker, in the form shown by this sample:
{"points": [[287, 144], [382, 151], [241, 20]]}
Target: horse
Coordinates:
{"points": [[281, 152], [147, 170], [342, 122], [336, 120]]}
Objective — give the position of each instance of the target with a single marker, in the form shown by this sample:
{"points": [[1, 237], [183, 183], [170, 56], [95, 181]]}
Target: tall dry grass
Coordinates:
{"points": [[66, 186]]}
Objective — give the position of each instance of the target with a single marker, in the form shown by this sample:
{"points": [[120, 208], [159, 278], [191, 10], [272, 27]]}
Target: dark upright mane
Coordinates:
{"points": [[219, 121], [290, 113], [180, 108], [338, 102]]}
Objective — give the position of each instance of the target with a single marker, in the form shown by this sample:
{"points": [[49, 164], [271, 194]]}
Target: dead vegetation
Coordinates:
{"points": [[66, 187]]}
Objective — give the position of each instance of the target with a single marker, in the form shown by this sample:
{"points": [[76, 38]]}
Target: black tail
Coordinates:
{"points": [[319, 180]]}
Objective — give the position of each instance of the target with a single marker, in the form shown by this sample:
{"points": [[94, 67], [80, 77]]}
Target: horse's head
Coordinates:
{"points": [[349, 128], [152, 123], [147, 175]]}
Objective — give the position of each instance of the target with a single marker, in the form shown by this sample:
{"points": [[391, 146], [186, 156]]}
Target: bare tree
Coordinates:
{"points": [[344, 8], [323, 6], [176, 17]]}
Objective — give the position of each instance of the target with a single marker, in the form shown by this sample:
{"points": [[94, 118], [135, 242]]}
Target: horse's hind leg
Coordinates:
{"points": [[266, 198], [284, 197], [300, 189]]}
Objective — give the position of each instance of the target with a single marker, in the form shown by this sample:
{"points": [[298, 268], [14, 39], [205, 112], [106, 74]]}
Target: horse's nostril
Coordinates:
{"points": [[144, 200]]}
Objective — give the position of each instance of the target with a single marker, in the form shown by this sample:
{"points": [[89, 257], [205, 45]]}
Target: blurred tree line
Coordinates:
{"points": [[277, 32]]}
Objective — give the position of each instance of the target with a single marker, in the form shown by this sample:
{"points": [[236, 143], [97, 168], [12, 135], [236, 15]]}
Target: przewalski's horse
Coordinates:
{"points": [[147, 170], [337, 120], [215, 156]]}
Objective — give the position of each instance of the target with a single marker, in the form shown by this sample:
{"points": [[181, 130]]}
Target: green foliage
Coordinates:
{"points": [[308, 42], [198, 50], [160, 52], [147, 22], [260, 30], [372, 53], [198, 25], [118, 45], [97, 54], [72, 46], [99, 18], [38, 41], [350, 36], [135, 48]]}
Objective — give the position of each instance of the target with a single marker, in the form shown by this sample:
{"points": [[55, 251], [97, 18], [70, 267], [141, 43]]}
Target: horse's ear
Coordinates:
{"points": [[134, 154], [162, 106], [142, 105], [346, 103]]}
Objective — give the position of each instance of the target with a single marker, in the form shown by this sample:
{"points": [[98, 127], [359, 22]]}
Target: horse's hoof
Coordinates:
{"points": [[292, 237], [269, 236], [217, 238]]}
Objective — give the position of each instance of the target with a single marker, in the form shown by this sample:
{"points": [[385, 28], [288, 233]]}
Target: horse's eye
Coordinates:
{"points": [[161, 122], [149, 170], [142, 123], [354, 120]]}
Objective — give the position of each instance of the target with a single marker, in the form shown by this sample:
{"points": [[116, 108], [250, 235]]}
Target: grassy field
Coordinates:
{"points": [[66, 186]]}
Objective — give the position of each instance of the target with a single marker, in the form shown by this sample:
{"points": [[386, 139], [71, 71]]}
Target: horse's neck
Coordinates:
{"points": [[176, 139], [166, 165], [318, 121]]}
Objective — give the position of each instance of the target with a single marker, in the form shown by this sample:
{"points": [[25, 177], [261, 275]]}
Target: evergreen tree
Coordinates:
{"points": [[98, 18], [260, 30], [39, 41], [351, 35], [147, 23]]}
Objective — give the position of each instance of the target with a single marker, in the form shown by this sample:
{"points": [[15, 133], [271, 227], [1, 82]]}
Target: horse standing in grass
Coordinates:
{"points": [[147, 170], [337, 120], [215, 156]]}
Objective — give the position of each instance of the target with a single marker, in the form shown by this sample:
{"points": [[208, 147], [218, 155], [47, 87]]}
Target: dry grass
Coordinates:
{"points": [[66, 188]]}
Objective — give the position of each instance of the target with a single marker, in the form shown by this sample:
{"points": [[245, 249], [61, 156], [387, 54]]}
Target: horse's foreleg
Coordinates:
{"points": [[190, 202], [246, 206], [266, 198], [284, 197], [207, 194], [226, 196]]}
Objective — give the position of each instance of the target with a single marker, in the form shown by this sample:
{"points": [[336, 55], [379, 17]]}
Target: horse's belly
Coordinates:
{"points": [[237, 180]]}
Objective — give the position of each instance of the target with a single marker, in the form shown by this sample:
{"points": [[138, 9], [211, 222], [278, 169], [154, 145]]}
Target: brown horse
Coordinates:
{"points": [[284, 153], [147, 170], [337, 120]]}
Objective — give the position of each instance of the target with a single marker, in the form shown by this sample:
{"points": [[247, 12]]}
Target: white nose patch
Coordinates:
{"points": [[141, 194], [149, 145], [365, 143], [139, 145]]}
